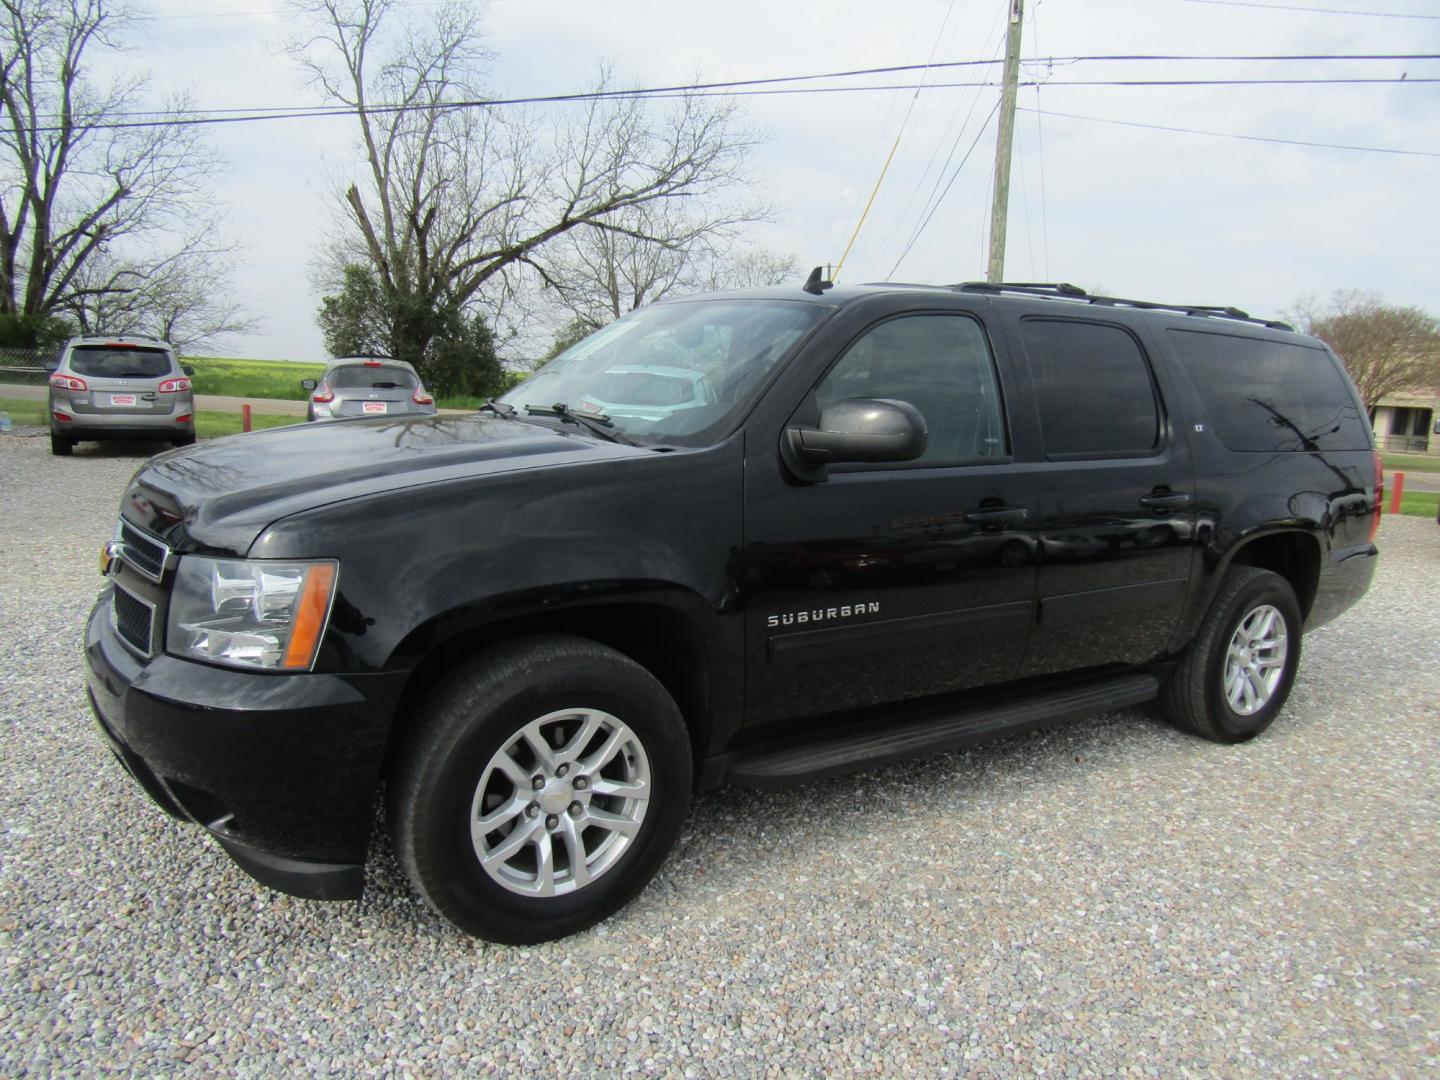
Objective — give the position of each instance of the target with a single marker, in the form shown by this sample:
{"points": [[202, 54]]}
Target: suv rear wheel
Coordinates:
{"points": [[544, 786], [61, 445], [1239, 669]]}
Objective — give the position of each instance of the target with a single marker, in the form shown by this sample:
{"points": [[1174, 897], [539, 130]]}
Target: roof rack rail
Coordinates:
{"points": [[1064, 290]]}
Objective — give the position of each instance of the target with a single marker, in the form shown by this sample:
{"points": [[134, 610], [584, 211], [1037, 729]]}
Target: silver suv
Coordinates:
{"points": [[120, 388], [367, 386]]}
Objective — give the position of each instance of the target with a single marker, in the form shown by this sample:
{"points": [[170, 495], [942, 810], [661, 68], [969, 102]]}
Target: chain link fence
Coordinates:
{"points": [[26, 367]]}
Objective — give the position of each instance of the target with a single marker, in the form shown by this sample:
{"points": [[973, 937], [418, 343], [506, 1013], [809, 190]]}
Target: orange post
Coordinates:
{"points": [[245, 416], [1397, 489]]}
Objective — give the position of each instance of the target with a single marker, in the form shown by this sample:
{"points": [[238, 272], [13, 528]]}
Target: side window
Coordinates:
{"points": [[942, 365], [1093, 388], [1264, 395]]}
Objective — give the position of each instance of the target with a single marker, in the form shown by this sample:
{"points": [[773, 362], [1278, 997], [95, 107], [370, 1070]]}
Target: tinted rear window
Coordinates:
{"points": [[360, 377], [1271, 395], [1093, 387], [109, 362]]}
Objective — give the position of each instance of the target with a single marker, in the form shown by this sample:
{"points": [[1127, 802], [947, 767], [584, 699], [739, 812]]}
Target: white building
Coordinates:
{"points": [[1409, 422]]}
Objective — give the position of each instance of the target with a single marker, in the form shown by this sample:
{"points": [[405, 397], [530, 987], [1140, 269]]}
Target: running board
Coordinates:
{"points": [[936, 731]]}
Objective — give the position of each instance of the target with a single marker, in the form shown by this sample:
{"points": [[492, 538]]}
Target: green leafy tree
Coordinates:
{"points": [[453, 351], [39, 332]]}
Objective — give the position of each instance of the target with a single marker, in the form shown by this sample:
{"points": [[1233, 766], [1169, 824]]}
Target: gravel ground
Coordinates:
{"points": [[1111, 897]]}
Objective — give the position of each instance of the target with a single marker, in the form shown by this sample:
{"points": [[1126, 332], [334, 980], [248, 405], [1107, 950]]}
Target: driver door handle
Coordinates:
{"points": [[1168, 500], [998, 515]]}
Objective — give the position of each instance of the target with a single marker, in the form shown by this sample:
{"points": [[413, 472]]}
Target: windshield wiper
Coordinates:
{"points": [[595, 423], [499, 408]]}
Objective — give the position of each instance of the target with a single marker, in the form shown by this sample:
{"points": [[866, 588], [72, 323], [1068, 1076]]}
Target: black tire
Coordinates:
{"points": [[1194, 697], [61, 445], [184, 440], [481, 708]]}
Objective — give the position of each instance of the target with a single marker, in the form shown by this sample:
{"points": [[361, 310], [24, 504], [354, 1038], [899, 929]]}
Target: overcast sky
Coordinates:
{"points": [[1140, 212]]}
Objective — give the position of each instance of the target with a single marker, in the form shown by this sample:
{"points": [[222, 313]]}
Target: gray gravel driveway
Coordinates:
{"points": [[1110, 897]]}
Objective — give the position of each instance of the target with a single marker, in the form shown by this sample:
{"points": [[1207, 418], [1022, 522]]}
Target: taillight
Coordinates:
{"points": [[1379, 496], [373, 363], [323, 394], [68, 382], [174, 386], [185, 419], [420, 397], [61, 417]]}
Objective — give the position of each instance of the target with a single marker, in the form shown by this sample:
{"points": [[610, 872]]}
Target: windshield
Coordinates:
{"points": [[674, 373], [119, 362]]}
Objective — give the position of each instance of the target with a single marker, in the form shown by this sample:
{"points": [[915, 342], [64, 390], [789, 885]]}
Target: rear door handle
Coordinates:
{"points": [[998, 515], [1166, 501]]}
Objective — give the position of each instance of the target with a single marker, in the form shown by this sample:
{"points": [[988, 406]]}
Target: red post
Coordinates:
{"points": [[245, 416], [1397, 489]]}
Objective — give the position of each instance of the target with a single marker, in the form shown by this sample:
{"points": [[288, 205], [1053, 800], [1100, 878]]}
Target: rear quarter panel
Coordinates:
{"points": [[1328, 496]]}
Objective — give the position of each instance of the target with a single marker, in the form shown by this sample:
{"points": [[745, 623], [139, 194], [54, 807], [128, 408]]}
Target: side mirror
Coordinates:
{"points": [[52, 365], [309, 384], [187, 369], [862, 429]]}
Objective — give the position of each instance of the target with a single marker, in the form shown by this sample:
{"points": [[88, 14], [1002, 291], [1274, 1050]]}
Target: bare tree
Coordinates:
{"points": [[748, 268], [183, 298], [1386, 349], [90, 211], [597, 275], [455, 195]]}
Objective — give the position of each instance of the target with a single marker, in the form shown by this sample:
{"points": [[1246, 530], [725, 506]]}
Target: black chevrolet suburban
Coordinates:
{"points": [[758, 538]]}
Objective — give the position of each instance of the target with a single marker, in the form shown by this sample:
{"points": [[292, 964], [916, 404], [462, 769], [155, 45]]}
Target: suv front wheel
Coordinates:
{"points": [[1238, 671], [544, 786]]}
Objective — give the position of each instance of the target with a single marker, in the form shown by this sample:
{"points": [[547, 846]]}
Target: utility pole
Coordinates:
{"points": [[995, 272]]}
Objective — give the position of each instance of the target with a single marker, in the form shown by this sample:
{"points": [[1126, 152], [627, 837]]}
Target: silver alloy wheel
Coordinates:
{"points": [[560, 802], [1255, 660]]}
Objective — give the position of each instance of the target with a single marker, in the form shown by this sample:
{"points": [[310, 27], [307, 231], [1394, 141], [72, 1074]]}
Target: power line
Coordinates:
{"points": [[997, 33], [904, 120], [1311, 10], [920, 229], [276, 11], [284, 112], [1237, 135], [724, 89]]}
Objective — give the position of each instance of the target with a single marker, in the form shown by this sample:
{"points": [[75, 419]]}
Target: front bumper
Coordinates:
{"points": [[281, 769]]}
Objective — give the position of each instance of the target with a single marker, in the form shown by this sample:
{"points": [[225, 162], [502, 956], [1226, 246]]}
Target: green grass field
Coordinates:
{"points": [[1417, 503], [252, 378], [1411, 462], [208, 424], [280, 379]]}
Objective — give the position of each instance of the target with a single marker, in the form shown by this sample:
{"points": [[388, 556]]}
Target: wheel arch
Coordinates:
{"points": [[1294, 554], [665, 631]]}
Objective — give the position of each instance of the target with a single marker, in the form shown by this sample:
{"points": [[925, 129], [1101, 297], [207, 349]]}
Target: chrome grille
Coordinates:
{"points": [[134, 621], [144, 553]]}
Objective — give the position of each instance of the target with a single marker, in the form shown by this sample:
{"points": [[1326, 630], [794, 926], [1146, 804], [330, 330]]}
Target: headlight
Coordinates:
{"points": [[250, 614]]}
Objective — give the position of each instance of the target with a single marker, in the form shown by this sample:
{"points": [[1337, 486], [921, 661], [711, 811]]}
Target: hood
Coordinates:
{"points": [[219, 496]]}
